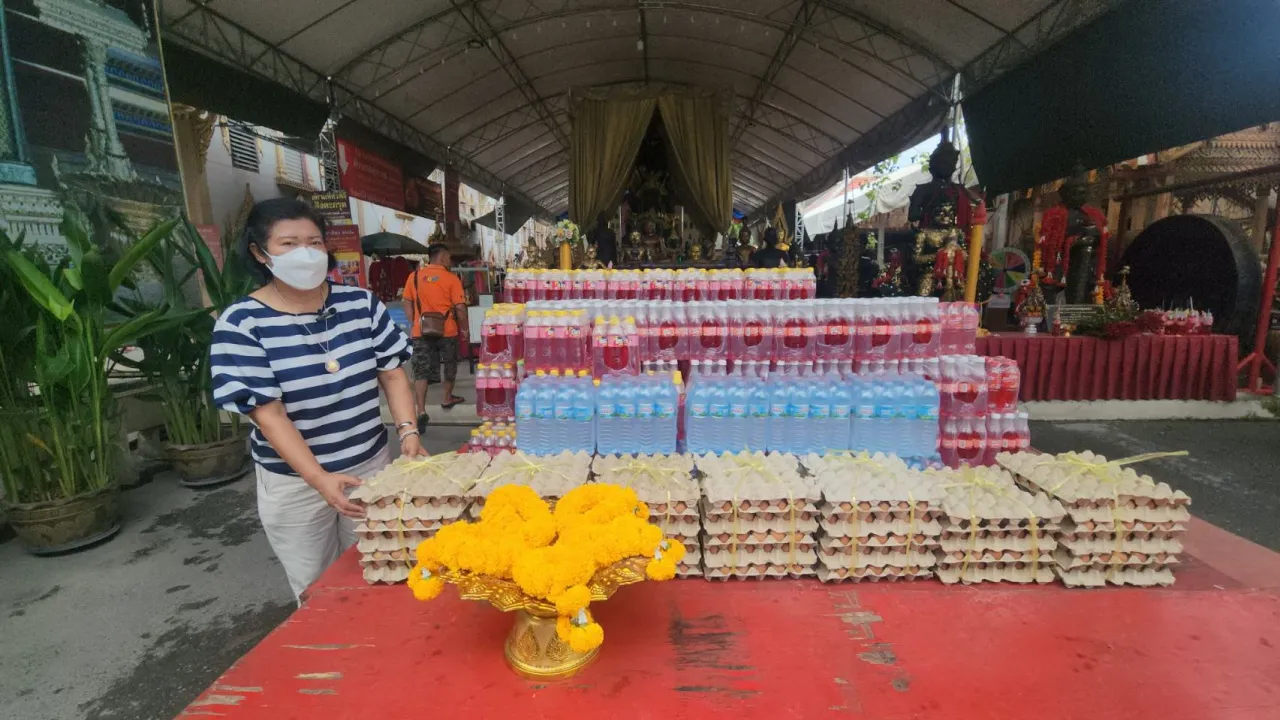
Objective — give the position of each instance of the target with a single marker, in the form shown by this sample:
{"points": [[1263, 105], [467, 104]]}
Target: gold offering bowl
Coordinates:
{"points": [[533, 649]]}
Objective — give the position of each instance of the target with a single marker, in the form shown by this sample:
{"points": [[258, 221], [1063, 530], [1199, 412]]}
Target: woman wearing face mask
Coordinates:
{"points": [[304, 358]]}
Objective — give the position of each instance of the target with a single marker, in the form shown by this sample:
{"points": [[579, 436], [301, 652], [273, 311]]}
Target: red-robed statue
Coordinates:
{"points": [[1073, 249]]}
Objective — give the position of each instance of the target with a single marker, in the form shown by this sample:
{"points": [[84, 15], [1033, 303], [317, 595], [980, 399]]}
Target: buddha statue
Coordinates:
{"points": [[633, 250], [1073, 239], [651, 241], [928, 200], [929, 243]]}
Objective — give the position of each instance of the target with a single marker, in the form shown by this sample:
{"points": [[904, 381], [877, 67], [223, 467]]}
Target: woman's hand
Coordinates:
{"points": [[411, 446], [332, 487]]}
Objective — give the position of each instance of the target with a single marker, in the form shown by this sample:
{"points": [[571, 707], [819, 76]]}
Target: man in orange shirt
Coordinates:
{"points": [[434, 291]]}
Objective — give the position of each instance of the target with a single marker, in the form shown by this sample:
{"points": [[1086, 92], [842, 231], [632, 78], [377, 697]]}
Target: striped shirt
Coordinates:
{"points": [[261, 354]]}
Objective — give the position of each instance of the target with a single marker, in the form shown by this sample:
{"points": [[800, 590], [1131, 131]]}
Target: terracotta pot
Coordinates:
{"points": [[57, 526], [211, 463]]}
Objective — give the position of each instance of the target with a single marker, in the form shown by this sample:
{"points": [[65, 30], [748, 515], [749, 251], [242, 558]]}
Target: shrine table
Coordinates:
{"points": [[1205, 648], [1142, 367]]}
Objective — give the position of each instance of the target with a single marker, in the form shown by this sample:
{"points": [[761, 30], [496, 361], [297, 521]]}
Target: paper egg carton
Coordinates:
{"points": [[400, 555], [386, 573], [989, 498], [861, 463], [447, 475], [976, 572], [1092, 494], [835, 557], [757, 572], [872, 574], [725, 537], [879, 539], [390, 540], [663, 482], [1144, 576], [550, 476], [717, 523], [755, 482], [409, 508], [1130, 531], [870, 527], [1024, 540], [1067, 560], [784, 554]]}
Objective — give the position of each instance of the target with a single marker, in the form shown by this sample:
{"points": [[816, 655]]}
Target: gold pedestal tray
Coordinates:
{"points": [[533, 649]]}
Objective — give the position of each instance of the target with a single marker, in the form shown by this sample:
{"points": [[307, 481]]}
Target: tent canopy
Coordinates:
{"points": [[817, 85]]}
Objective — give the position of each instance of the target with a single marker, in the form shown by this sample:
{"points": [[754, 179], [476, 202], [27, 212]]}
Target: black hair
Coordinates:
{"points": [[257, 228], [770, 237], [433, 251]]}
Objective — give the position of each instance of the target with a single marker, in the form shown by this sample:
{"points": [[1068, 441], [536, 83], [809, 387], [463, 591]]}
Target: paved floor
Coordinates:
{"points": [[137, 627]]}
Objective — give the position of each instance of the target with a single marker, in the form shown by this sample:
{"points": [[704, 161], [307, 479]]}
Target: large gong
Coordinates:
{"points": [[1198, 260]]}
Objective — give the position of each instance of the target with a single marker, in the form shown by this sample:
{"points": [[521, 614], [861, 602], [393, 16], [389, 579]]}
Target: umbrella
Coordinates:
{"points": [[389, 243]]}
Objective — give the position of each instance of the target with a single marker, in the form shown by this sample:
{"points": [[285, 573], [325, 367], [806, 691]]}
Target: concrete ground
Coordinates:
{"points": [[137, 627]]}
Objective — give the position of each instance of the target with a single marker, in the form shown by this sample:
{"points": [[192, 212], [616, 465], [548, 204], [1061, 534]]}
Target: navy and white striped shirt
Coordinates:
{"points": [[260, 354]]}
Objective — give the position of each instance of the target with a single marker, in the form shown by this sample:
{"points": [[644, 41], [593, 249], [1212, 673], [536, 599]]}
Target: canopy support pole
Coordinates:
{"points": [[1256, 359]]}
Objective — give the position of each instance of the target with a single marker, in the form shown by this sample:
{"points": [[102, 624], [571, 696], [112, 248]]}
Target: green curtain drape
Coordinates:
{"points": [[699, 134], [606, 137]]}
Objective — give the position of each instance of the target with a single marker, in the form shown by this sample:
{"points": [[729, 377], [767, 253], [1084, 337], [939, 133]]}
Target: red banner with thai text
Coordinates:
{"points": [[370, 177]]}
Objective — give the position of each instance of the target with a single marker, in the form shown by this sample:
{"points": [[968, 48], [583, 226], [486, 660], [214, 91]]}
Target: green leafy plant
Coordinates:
{"points": [[68, 311], [175, 359]]}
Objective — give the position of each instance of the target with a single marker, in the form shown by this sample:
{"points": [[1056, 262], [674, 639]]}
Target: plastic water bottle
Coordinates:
{"points": [[819, 438], [525, 421], [841, 411], [928, 419], [605, 397], [646, 391], [584, 412], [739, 413], [864, 413], [907, 414], [757, 435], [718, 409], [883, 421], [698, 413], [544, 415], [666, 407], [798, 418], [625, 413], [562, 407], [779, 399]]}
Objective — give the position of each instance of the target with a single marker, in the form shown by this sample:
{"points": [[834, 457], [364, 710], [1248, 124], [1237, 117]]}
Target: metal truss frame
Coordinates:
{"points": [[207, 31]]}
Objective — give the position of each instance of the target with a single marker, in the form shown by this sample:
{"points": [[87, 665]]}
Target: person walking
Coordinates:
{"points": [[304, 359], [434, 301]]}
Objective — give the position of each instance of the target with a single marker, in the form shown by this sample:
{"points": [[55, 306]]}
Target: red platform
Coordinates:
{"points": [[1143, 367], [1207, 648]]}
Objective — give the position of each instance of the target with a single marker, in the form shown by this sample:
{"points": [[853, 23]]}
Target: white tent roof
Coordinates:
{"points": [[487, 81]]}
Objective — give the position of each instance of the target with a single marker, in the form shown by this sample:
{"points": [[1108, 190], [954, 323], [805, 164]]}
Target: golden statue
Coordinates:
{"points": [[929, 243]]}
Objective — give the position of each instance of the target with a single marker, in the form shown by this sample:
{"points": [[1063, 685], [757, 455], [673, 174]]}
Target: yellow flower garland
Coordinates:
{"points": [[550, 555]]}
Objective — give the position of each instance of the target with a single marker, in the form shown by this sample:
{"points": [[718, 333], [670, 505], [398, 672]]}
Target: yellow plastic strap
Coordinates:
{"points": [[1108, 471], [911, 528], [792, 556], [853, 520], [1035, 545], [404, 500]]}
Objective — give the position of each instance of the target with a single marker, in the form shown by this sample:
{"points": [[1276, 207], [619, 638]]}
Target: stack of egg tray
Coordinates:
{"points": [[551, 476], [759, 516], [406, 503], [1122, 528], [879, 518], [993, 531], [666, 484]]}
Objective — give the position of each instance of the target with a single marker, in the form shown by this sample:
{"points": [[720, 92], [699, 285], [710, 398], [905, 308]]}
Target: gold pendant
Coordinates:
{"points": [[332, 365]]}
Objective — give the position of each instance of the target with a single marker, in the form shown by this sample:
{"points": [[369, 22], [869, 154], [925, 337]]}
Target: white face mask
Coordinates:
{"points": [[303, 268]]}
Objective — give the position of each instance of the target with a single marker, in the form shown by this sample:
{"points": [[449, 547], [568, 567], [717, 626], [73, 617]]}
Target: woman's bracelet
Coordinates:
{"points": [[405, 424], [408, 434]]}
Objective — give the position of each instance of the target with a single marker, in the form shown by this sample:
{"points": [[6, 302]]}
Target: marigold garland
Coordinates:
{"points": [[551, 555]]}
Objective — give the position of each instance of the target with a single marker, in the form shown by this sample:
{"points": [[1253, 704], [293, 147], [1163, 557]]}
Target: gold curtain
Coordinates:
{"points": [[699, 134], [606, 137]]}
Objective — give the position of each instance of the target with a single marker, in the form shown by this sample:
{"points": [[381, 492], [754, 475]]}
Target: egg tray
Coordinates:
{"points": [[404, 508], [1108, 543], [1016, 572], [386, 574], [871, 528], [777, 465], [656, 479], [440, 476], [876, 490], [761, 522], [710, 539], [1094, 577], [757, 572], [550, 476], [872, 574], [373, 528], [995, 555], [397, 555], [392, 541], [859, 464], [1043, 542], [1107, 515], [767, 554], [782, 506], [889, 543], [914, 560], [1137, 530], [1067, 561], [830, 514], [687, 570], [1080, 486]]}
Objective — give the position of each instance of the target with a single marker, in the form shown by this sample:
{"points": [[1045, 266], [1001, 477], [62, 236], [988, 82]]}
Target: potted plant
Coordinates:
{"points": [[61, 436], [175, 360]]}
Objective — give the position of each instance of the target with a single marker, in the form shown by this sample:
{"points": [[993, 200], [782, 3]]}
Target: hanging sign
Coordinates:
{"points": [[370, 177], [342, 237]]}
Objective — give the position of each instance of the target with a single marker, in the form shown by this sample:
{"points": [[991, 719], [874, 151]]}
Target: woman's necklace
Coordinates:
{"points": [[331, 364]]}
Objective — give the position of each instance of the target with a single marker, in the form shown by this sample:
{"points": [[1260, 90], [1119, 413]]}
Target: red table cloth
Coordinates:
{"points": [[1143, 367]]}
